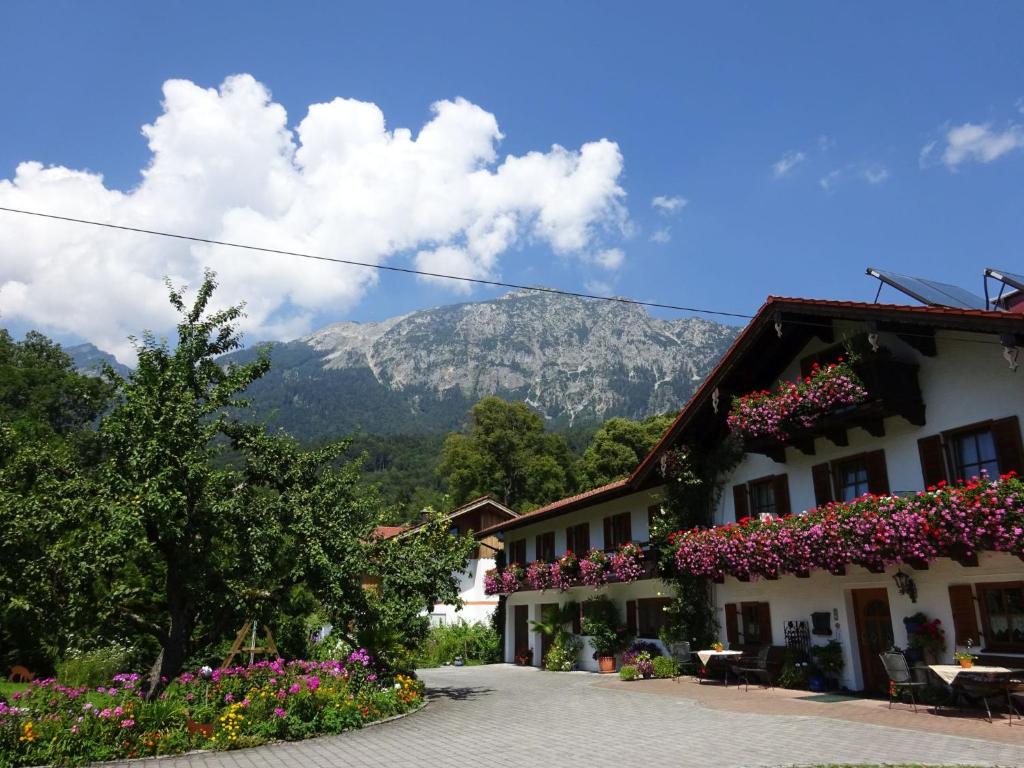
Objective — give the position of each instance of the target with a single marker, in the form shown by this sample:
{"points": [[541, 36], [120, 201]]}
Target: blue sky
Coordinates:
{"points": [[796, 133]]}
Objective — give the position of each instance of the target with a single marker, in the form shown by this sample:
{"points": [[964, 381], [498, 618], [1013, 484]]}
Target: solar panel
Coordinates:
{"points": [[1011, 279], [930, 292]]}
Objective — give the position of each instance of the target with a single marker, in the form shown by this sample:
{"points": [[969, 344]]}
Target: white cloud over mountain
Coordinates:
{"points": [[226, 165]]}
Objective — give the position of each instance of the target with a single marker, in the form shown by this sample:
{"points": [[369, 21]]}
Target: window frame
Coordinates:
{"points": [[616, 530], [655, 606], [544, 547], [573, 537], [511, 552], [991, 644], [841, 466], [953, 438], [767, 482]]}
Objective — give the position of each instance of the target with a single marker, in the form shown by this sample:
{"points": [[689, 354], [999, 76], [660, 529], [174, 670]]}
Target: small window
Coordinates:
{"points": [[754, 618], [852, 479], [517, 552], [577, 539], [762, 497], [974, 452], [651, 616], [617, 531], [546, 547], [1002, 615]]}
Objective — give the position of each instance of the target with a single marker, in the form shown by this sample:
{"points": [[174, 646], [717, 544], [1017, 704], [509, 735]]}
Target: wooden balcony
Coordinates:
{"points": [[893, 390]]}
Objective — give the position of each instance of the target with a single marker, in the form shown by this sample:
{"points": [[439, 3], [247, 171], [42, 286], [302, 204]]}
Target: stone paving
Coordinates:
{"points": [[501, 715]]}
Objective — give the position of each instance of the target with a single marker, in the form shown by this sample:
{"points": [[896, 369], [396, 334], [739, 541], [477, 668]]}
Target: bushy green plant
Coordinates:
{"points": [[477, 642], [829, 658], [628, 673], [561, 657], [665, 666], [601, 622], [92, 668]]}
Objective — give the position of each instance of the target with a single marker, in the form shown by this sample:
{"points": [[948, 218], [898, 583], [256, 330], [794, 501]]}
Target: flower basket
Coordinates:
{"points": [[627, 564], [606, 664]]}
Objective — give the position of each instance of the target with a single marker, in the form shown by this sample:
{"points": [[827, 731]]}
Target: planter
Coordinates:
{"points": [[966, 663], [198, 729], [606, 664]]}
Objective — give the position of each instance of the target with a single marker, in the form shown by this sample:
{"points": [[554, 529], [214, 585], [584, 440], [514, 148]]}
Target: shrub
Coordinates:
{"points": [[473, 642], [602, 623], [664, 666], [92, 668], [562, 654], [628, 673]]}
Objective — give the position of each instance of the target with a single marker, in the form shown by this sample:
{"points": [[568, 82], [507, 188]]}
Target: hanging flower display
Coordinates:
{"points": [[627, 563], [538, 575], [565, 572], [594, 568], [503, 582], [796, 405], [872, 531]]}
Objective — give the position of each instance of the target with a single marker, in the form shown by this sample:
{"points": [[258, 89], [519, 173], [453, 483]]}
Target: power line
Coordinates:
{"points": [[389, 268], [439, 275]]}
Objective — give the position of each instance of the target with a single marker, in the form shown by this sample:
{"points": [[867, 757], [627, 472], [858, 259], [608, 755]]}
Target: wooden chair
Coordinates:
{"points": [[900, 679]]}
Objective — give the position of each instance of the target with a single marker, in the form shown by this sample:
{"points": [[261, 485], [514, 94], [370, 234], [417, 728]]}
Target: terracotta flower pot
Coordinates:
{"points": [[966, 663], [606, 664]]}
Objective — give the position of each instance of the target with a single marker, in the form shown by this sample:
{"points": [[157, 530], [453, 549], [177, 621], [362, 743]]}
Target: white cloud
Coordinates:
{"points": [[829, 180], [598, 287], [875, 174], [610, 258], [785, 164], [667, 205], [226, 165], [973, 142], [662, 235]]}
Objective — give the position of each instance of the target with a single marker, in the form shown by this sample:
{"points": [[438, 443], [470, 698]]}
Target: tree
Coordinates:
{"points": [[505, 453], [618, 446]]}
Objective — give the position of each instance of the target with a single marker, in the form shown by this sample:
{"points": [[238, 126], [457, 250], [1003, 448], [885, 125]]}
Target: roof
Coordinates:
{"points": [[387, 531], [602, 493], [789, 311], [776, 306], [469, 506]]}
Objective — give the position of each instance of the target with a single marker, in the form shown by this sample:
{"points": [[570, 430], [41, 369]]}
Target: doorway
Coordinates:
{"points": [[874, 635], [546, 640], [521, 630]]}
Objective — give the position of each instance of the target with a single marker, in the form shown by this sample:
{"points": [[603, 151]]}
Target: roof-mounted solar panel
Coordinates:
{"points": [[930, 292], [1009, 278]]}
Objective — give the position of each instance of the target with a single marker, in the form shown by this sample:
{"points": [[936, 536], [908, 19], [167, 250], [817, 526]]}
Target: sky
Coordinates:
{"points": [[705, 155]]}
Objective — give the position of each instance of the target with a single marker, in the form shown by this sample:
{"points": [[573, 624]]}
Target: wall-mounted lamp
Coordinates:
{"points": [[906, 585]]}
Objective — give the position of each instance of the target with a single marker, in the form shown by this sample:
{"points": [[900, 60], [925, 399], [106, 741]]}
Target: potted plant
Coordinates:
{"points": [[965, 658], [524, 657], [928, 639], [828, 658], [717, 646], [607, 635]]}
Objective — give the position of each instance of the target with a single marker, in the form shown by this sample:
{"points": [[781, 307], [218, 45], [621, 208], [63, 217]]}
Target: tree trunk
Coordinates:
{"points": [[175, 644]]}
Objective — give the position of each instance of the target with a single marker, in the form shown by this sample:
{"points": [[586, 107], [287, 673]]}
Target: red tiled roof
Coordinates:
{"points": [[562, 505], [387, 531]]}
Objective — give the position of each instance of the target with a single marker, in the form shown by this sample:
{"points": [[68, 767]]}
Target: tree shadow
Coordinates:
{"points": [[458, 693]]}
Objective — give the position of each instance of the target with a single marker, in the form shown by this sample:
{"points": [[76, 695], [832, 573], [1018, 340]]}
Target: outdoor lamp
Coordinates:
{"points": [[905, 585]]}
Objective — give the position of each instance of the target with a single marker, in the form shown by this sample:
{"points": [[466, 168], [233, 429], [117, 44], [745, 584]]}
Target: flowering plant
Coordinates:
{"points": [[796, 405], [594, 568], [627, 563], [928, 636], [872, 531], [503, 582], [538, 575], [565, 572]]}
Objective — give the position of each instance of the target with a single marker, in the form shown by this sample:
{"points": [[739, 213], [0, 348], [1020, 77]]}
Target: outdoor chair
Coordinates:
{"points": [[900, 679], [1014, 696], [686, 664], [756, 667], [983, 686]]}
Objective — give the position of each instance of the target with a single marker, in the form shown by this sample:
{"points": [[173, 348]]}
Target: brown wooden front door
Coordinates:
{"points": [[874, 635], [546, 641], [522, 629]]}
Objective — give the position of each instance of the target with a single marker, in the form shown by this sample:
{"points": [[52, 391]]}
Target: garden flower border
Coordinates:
{"points": [[875, 532]]}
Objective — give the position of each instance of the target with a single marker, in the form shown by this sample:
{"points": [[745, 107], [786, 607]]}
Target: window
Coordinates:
{"points": [[748, 624], [974, 452], [617, 531], [651, 617], [577, 539], [1002, 615], [517, 552], [852, 479], [546, 547], [762, 497]]}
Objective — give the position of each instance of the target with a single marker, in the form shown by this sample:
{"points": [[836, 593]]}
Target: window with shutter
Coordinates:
{"points": [[755, 624], [768, 496], [739, 501], [854, 476], [517, 552], [878, 474], [781, 492], [546, 547], [732, 629], [1002, 615], [965, 619], [822, 477], [933, 460], [617, 531], [631, 616], [577, 538], [1009, 452]]}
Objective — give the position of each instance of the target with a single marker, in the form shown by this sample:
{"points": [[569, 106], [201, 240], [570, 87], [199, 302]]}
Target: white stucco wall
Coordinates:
{"points": [[477, 606]]}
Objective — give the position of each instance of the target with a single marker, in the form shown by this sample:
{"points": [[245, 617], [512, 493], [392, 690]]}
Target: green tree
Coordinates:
{"points": [[505, 453], [617, 447]]}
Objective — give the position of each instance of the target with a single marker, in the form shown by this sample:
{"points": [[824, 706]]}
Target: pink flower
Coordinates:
{"points": [[128, 723], [280, 712]]}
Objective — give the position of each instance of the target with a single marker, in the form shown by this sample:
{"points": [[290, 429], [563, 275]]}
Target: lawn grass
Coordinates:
{"points": [[6, 688]]}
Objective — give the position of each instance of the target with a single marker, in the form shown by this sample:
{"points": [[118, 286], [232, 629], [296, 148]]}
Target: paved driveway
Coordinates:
{"points": [[510, 716]]}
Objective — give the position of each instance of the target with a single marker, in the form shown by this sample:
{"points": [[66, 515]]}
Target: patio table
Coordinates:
{"points": [[721, 657], [948, 672]]}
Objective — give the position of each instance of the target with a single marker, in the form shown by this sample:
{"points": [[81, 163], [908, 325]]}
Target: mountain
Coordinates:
{"points": [[90, 359], [576, 361]]}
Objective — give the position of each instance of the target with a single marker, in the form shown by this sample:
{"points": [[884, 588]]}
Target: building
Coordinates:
{"points": [[942, 402]]}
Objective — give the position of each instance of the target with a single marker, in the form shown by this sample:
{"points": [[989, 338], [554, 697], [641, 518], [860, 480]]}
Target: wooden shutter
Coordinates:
{"points": [[631, 616], [577, 620], [933, 460], [609, 534], [732, 625], [965, 619], [764, 620], [878, 475], [822, 477], [740, 502], [625, 526], [1009, 453], [780, 487]]}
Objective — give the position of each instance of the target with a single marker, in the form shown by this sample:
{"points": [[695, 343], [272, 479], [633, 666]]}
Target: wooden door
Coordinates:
{"points": [[874, 635], [546, 641], [521, 631]]}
